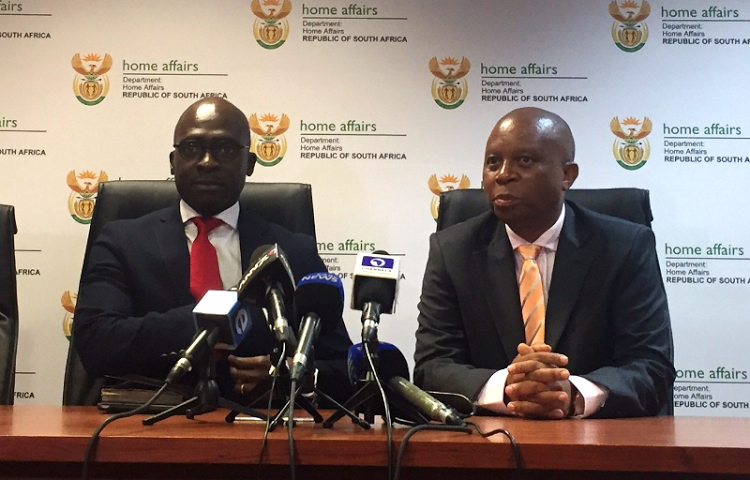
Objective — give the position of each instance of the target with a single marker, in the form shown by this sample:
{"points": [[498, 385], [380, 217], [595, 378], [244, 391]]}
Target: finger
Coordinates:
{"points": [[526, 366], [525, 389], [243, 388], [245, 375], [528, 409], [261, 361], [547, 358], [548, 375], [525, 349]]}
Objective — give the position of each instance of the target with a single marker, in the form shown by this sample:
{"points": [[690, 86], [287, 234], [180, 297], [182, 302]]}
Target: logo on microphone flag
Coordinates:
{"points": [[377, 262]]}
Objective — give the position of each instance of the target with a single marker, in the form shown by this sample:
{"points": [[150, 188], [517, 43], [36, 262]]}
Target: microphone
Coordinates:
{"points": [[393, 370], [391, 362], [269, 283], [428, 405], [319, 297], [219, 318], [374, 292], [221, 309], [203, 343]]}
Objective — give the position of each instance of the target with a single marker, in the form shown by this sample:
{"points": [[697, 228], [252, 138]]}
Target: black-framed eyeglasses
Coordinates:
{"points": [[222, 150]]}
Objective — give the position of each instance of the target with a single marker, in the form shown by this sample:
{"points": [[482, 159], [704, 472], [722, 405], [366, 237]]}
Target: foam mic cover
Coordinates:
{"points": [[321, 293], [377, 290], [391, 362]]}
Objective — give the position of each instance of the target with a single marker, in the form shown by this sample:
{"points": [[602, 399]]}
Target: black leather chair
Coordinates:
{"points": [[8, 304], [287, 204], [628, 203]]}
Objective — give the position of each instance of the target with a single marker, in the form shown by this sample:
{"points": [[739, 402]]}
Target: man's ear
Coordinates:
{"points": [[171, 163], [251, 159], [570, 173]]}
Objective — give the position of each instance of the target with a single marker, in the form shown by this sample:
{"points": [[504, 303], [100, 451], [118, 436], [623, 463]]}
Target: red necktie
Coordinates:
{"points": [[204, 266]]}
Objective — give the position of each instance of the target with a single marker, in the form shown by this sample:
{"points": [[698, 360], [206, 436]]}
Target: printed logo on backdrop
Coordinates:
{"points": [[271, 29], [269, 145], [629, 31], [83, 197], [446, 183], [449, 88], [68, 301], [632, 149], [91, 85]]}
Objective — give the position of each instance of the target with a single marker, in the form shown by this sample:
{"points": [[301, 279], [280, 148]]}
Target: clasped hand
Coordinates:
{"points": [[538, 384]]}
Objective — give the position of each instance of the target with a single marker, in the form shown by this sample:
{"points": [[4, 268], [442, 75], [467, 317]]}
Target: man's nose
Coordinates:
{"points": [[504, 172], [207, 160]]}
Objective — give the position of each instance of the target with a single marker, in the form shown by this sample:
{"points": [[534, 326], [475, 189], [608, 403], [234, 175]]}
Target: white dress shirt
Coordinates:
{"points": [[225, 238], [592, 396]]}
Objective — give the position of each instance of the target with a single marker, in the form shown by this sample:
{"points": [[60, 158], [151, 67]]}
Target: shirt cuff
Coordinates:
{"points": [[492, 396], [590, 398]]}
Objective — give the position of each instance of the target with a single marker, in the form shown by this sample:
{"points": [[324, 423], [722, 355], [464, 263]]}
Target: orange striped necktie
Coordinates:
{"points": [[532, 294]]}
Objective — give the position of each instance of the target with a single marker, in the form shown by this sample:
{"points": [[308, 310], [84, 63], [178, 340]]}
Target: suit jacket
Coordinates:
{"points": [[606, 310], [134, 303]]}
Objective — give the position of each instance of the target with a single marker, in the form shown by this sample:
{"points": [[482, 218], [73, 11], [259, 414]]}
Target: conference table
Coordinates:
{"points": [[49, 442]]}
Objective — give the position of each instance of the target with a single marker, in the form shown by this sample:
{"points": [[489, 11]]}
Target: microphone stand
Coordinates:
{"points": [[368, 398], [206, 398], [299, 399]]}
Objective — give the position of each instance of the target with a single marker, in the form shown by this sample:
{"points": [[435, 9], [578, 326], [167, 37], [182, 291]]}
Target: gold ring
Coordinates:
{"points": [[242, 388]]}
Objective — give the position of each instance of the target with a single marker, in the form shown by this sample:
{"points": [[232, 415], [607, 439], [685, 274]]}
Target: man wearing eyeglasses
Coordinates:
{"points": [[136, 298]]}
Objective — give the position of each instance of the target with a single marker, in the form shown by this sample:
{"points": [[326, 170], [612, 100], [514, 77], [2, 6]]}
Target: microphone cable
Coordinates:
{"points": [[269, 405], [290, 426], [457, 428], [386, 410], [90, 453]]}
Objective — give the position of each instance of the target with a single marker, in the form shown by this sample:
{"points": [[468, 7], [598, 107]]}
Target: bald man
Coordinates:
{"points": [[605, 345], [135, 302]]}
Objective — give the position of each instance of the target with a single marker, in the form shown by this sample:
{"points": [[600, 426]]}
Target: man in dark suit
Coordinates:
{"points": [[605, 348], [136, 297]]}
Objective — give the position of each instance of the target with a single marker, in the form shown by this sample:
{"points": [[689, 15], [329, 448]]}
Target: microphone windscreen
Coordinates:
{"points": [[379, 290], [321, 293], [391, 363]]}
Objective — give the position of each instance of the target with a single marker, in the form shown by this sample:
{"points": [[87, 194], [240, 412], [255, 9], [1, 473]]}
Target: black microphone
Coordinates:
{"points": [[376, 278], [319, 297], [269, 283], [428, 405]]}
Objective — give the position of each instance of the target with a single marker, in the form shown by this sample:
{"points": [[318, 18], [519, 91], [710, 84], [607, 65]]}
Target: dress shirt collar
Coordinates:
{"points": [[547, 240], [230, 216]]}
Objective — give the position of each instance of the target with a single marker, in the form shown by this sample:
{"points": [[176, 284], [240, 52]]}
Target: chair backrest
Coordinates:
{"points": [[286, 204], [628, 203], [8, 304]]}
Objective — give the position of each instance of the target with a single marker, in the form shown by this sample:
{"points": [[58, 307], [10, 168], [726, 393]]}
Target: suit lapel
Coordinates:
{"points": [[572, 261], [495, 267], [253, 232], [170, 237]]}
